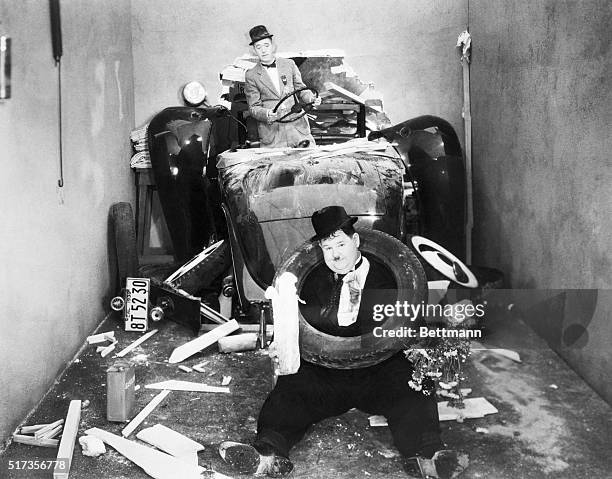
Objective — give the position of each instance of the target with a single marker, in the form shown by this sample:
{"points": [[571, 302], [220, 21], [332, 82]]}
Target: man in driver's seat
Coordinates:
{"points": [[265, 85]]}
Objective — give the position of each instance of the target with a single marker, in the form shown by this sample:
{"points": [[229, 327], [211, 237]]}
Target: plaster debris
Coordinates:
{"points": [[140, 358], [388, 453], [553, 386], [226, 380], [92, 446], [482, 430]]}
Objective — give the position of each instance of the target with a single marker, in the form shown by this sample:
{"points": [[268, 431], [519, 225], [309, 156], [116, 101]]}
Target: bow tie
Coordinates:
{"points": [[271, 65]]}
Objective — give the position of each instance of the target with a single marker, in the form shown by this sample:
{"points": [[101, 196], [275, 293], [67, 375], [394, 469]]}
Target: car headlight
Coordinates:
{"points": [[194, 93]]}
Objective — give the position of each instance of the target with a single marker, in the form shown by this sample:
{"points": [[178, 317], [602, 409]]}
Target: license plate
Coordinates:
{"points": [[136, 309]]}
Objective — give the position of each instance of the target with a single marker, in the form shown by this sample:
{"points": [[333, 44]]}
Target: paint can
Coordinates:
{"points": [[120, 381]]}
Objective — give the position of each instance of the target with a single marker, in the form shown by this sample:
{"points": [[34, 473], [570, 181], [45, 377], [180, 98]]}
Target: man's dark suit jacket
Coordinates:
{"points": [[379, 288]]}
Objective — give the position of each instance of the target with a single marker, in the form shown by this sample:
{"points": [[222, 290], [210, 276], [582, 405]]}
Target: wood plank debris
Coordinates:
{"points": [[238, 342], [53, 432], [211, 314], [185, 369], [156, 464], [141, 416], [66, 446], [31, 429], [108, 349], [244, 328], [101, 337], [337, 90], [136, 343], [175, 385], [174, 279], [43, 431], [189, 349], [170, 441], [32, 441]]}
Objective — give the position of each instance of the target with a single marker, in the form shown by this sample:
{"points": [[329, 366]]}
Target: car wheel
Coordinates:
{"points": [[365, 350], [123, 259]]}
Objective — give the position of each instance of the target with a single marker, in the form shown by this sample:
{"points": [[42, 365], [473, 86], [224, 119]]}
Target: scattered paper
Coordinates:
{"points": [[474, 408]]}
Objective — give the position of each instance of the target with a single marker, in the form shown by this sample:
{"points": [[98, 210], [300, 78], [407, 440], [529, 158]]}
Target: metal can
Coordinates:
{"points": [[120, 381]]}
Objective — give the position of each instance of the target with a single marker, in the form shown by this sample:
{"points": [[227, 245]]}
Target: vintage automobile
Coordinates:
{"points": [[404, 180]]}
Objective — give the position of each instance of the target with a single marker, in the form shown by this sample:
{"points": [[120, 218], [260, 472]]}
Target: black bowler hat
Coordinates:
{"points": [[259, 32], [328, 220]]}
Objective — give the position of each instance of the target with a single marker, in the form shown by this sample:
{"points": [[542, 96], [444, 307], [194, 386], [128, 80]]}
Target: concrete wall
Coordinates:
{"points": [[53, 247], [406, 47], [541, 96]]}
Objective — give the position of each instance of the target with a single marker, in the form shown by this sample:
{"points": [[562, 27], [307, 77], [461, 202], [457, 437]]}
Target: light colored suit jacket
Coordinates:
{"points": [[263, 96]]}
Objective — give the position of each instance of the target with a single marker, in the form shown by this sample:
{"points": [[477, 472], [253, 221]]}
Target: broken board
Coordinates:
{"points": [[141, 416], [66, 445], [189, 349], [172, 442], [342, 92], [155, 463], [175, 385]]}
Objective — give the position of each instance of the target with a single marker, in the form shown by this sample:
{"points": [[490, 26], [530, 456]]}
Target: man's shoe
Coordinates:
{"points": [[445, 464], [245, 459]]}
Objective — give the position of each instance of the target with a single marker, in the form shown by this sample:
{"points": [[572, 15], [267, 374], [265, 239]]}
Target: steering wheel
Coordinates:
{"points": [[445, 262], [298, 108]]}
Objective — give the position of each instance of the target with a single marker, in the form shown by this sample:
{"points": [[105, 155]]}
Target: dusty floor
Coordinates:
{"points": [[540, 431]]}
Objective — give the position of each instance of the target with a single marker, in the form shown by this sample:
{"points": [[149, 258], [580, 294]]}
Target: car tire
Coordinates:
{"points": [[365, 350], [123, 258]]}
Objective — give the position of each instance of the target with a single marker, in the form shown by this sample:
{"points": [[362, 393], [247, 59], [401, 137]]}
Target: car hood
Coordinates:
{"points": [[271, 195]]}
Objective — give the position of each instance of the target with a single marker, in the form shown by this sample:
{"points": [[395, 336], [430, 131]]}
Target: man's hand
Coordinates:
{"points": [[272, 117], [273, 353]]}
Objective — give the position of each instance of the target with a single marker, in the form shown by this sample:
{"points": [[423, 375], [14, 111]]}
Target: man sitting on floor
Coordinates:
{"points": [[315, 392]]}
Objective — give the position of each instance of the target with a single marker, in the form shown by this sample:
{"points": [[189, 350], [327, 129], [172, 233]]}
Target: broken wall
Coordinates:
{"points": [[54, 240], [541, 95], [406, 48]]}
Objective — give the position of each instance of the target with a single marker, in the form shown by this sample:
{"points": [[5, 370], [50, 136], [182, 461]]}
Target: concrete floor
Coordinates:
{"points": [[540, 431]]}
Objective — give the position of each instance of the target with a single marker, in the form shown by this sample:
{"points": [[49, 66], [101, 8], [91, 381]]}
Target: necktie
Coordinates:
{"points": [[330, 310], [271, 65]]}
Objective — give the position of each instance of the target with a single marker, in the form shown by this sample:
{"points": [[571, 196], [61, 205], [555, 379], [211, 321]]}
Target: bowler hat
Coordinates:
{"points": [[329, 220], [259, 32]]}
